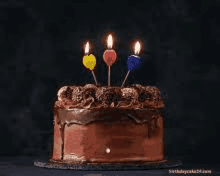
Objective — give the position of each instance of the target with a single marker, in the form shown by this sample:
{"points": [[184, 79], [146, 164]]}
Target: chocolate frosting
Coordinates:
{"points": [[93, 97], [85, 116]]}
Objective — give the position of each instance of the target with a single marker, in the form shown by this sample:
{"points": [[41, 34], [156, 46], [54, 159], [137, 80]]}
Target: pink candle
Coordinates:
{"points": [[109, 56]]}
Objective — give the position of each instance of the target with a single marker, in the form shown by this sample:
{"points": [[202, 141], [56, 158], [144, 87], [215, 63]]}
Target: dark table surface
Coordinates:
{"points": [[23, 165]]}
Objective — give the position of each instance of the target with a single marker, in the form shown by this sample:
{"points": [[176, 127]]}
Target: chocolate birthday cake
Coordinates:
{"points": [[95, 124]]}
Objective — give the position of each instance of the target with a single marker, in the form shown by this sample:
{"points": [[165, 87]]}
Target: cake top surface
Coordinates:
{"points": [[91, 96]]}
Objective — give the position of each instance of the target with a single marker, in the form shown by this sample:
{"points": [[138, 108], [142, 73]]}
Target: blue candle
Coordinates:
{"points": [[133, 62]]}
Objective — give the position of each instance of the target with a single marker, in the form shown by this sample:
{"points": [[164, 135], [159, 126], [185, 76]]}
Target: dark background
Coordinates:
{"points": [[41, 50]]}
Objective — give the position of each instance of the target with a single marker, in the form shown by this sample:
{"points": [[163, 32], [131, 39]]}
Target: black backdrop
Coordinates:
{"points": [[41, 50]]}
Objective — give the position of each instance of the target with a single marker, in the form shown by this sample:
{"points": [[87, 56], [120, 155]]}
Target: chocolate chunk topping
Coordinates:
{"points": [[91, 96]]}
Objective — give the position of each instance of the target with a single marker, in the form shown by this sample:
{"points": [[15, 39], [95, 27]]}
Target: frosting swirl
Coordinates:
{"points": [[91, 96]]}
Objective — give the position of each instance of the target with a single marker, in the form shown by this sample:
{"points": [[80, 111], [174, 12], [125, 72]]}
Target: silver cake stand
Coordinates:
{"points": [[107, 166]]}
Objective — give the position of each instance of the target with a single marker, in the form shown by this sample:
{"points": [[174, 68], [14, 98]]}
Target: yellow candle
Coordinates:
{"points": [[89, 61]]}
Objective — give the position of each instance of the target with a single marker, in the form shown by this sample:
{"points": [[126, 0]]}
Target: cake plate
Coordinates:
{"points": [[51, 164]]}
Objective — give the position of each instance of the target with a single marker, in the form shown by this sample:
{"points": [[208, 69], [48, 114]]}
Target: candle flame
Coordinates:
{"points": [[87, 48], [110, 41], [137, 48]]}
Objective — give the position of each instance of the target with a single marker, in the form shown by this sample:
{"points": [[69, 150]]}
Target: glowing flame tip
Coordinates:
{"points": [[110, 41], [87, 48], [137, 47]]}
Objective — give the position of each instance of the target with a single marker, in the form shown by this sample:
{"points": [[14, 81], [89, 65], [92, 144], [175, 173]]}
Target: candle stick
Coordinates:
{"points": [[109, 56], [89, 61], [133, 62], [109, 71], [94, 77], [125, 78]]}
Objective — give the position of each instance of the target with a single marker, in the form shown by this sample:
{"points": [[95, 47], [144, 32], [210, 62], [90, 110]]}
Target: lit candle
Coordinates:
{"points": [[109, 56], [133, 61], [89, 61]]}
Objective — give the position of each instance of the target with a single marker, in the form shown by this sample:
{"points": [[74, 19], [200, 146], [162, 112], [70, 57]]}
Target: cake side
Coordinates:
{"points": [[57, 150], [114, 140]]}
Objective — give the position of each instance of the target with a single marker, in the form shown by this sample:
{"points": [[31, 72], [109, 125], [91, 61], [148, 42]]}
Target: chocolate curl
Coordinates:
{"points": [[60, 91], [131, 95]]}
